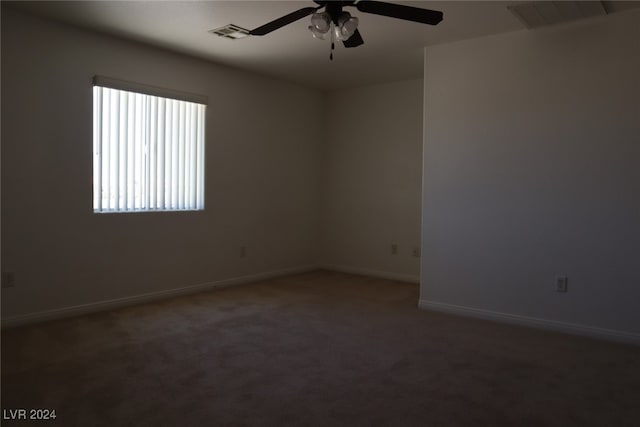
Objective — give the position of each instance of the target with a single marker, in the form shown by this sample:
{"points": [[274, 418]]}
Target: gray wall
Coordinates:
{"points": [[262, 174], [372, 171], [532, 170]]}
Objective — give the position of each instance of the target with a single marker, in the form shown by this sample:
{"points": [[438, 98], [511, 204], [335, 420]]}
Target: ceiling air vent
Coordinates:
{"points": [[542, 13], [231, 31]]}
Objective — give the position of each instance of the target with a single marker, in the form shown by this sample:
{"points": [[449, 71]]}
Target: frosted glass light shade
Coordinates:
{"points": [[317, 34], [347, 25], [321, 22]]}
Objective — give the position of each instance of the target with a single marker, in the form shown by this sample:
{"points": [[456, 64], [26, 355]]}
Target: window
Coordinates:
{"points": [[148, 148]]}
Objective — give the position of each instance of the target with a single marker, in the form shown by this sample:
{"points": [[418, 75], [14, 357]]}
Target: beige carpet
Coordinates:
{"points": [[317, 349]]}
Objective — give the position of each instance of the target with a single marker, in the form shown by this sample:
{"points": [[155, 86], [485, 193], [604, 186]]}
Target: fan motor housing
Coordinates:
{"points": [[341, 3]]}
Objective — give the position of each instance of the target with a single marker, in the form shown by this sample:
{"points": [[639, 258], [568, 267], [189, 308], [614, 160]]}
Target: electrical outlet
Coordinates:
{"points": [[243, 251], [394, 249], [415, 252], [8, 279], [562, 284]]}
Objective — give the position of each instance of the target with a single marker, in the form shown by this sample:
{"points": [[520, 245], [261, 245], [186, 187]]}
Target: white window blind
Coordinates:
{"points": [[148, 151]]}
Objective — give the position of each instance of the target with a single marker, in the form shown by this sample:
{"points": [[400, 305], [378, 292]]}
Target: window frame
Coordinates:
{"points": [[184, 119]]}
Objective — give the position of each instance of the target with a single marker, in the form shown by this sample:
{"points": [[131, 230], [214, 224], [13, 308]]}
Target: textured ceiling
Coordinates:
{"points": [[392, 49]]}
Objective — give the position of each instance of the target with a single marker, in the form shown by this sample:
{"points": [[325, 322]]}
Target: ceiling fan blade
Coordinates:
{"points": [[408, 13], [354, 40], [281, 22]]}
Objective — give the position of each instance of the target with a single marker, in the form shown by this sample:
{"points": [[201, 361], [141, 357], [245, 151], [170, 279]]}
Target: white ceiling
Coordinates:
{"points": [[392, 49]]}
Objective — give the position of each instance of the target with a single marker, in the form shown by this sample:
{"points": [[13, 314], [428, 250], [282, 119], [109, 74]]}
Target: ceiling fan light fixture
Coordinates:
{"points": [[321, 22], [316, 34], [347, 25]]}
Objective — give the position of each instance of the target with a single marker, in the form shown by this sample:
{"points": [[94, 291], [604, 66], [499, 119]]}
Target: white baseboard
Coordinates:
{"points": [[76, 310], [372, 273], [569, 328]]}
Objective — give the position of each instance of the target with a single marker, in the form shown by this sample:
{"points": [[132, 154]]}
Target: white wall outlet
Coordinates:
{"points": [[394, 249], [8, 279], [415, 252], [562, 284]]}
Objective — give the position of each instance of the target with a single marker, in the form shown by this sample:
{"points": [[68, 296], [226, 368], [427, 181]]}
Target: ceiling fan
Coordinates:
{"points": [[344, 27]]}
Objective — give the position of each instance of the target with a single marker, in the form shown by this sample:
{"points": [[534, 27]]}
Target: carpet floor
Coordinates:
{"points": [[315, 349]]}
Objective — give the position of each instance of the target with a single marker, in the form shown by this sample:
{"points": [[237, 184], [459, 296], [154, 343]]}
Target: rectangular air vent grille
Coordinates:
{"points": [[231, 31], [542, 13]]}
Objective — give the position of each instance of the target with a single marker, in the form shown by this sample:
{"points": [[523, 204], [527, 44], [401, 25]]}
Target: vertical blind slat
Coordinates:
{"points": [[131, 133], [167, 151], [201, 157], [97, 147], [137, 163], [106, 149], [187, 155], [122, 141], [181, 157], [174, 155], [124, 147], [160, 150], [187, 138], [115, 153], [147, 151], [153, 161], [192, 160]]}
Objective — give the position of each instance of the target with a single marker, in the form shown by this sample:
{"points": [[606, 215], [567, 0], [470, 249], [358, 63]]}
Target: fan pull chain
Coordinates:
{"points": [[333, 46]]}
